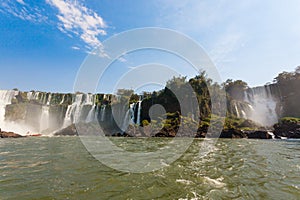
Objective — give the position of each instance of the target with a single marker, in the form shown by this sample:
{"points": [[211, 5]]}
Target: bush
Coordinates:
{"points": [[289, 120]]}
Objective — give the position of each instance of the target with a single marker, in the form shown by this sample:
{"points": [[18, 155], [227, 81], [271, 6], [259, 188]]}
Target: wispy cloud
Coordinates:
{"points": [[225, 46], [75, 48], [23, 11], [79, 20], [73, 18], [214, 23], [21, 2]]}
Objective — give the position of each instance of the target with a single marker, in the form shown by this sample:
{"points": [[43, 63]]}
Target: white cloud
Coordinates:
{"points": [[213, 23], [79, 20], [225, 46], [23, 11], [75, 48], [21, 2]]}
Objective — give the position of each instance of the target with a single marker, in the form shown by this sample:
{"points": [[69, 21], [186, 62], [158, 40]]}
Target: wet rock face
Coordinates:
{"points": [[258, 135], [4, 134], [232, 133], [68, 131], [287, 128]]}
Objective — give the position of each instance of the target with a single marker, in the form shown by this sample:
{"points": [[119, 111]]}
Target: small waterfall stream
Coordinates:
{"points": [[139, 107], [92, 115]]}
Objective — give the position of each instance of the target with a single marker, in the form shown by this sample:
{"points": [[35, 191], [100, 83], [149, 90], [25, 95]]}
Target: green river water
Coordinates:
{"points": [[61, 168]]}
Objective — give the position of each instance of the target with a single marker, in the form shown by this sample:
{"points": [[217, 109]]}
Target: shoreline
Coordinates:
{"points": [[225, 134]]}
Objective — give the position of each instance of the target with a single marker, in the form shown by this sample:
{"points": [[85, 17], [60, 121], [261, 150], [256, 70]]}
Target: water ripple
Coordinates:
{"points": [[61, 168]]}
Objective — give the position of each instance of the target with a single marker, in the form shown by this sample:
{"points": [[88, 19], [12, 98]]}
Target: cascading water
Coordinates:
{"points": [[74, 111], [29, 95], [31, 112], [129, 117], [89, 99], [77, 107], [49, 99], [237, 111], [139, 107], [36, 96], [63, 99], [102, 113], [68, 115], [92, 115], [263, 105], [5, 99], [44, 122]]}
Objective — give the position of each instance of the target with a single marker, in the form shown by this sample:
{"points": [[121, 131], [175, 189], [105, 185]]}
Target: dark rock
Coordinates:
{"points": [[165, 133], [160, 134], [92, 129], [201, 132], [68, 131], [289, 129], [4, 134], [232, 133], [124, 134], [258, 135]]}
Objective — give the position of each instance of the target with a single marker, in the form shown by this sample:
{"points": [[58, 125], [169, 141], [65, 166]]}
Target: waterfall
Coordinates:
{"points": [[77, 108], [74, 111], [49, 99], [126, 121], [129, 117], [272, 134], [102, 112], [92, 115], [30, 111], [244, 115], [44, 121], [29, 96], [5, 99], [237, 111], [89, 99], [139, 107], [36, 96], [67, 119], [131, 108], [263, 105], [63, 99]]}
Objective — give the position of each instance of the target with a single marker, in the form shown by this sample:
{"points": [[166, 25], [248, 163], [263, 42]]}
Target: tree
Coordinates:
{"points": [[235, 89]]}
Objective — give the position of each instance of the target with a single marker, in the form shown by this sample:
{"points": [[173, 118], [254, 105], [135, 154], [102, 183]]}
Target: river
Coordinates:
{"points": [[61, 168]]}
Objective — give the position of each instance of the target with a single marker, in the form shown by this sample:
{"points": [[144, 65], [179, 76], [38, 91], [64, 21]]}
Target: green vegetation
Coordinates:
{"points": [[289, 120], [205, 90], [200, 88]]}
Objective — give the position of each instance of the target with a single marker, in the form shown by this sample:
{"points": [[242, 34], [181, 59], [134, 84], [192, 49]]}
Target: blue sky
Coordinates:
{"points": [[44, 42]]}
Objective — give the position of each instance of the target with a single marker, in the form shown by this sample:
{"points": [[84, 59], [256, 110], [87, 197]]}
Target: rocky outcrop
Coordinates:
{"points": [[166, 133], [237, 133], [84, 129], [288, 127], [232, 133], [4, 134], [119, 134], [68, 131], [258, 135]]}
